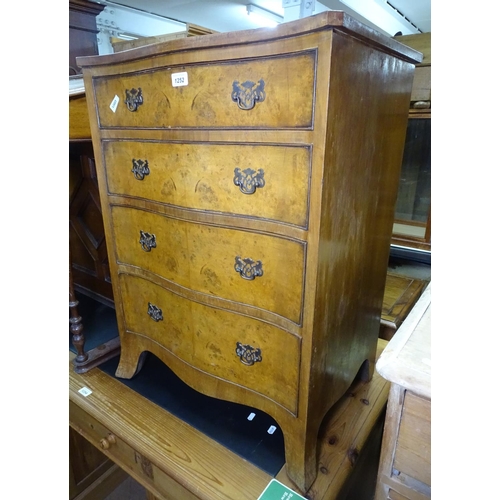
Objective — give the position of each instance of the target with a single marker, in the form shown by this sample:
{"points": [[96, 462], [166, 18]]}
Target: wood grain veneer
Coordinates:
{"points": [[290, 314]]}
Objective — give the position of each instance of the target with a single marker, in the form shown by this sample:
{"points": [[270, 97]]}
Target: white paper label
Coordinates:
{"points": [[85, 391], [271, 429], [251, 416], [114, 103], [179, 79]]}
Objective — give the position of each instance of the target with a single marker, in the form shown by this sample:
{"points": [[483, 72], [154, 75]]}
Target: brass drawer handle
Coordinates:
{"points": [[133, 98], [108, 441], [249, 180], [140, 168], [147, 241], [248, 355], [248, 268], [248, 93], [155, 313]]}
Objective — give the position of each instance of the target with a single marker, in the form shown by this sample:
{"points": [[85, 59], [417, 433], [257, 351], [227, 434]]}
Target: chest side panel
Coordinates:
{"points": [[368, 102]]}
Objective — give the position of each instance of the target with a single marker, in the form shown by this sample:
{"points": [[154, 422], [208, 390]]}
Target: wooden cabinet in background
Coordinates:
{"points": [[421, 89], [88, 246], [191, 30], [92, 475], [82, 31], [400, 295], [412, 221], [86, 231], [405, 461], [248, 195]]}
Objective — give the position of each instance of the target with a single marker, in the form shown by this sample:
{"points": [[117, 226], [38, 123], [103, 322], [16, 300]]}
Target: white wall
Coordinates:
{"points": [[117, 21]]}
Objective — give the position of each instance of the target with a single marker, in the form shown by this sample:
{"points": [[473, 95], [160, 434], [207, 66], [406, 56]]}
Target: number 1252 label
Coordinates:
{"points": [[179, 79]]}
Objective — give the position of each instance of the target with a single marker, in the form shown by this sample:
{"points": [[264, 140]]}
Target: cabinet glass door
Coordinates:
{"points": [[413, 206]]}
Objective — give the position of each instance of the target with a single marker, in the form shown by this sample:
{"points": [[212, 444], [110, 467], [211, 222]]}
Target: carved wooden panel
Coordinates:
{"points": [[86, 230]]}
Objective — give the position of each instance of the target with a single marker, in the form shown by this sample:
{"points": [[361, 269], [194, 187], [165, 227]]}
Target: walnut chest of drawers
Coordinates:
{"points": [[248, 183]]}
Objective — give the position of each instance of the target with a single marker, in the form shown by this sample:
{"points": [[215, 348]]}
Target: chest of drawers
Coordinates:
{"points": [[248, 183]]}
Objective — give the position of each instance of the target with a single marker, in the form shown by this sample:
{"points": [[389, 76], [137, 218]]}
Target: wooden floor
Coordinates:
{"points": [[130, 489], [350, 478]]}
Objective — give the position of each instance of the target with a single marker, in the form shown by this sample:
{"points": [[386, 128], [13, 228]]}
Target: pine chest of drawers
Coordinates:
{"points": [[248, 183]]}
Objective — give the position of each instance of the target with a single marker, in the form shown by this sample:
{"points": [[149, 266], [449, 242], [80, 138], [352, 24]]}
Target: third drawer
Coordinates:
{"points": [[260, 270]]}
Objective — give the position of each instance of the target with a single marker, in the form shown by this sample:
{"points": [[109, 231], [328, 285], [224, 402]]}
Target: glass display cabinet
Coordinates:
{"points": [[412, 222]]}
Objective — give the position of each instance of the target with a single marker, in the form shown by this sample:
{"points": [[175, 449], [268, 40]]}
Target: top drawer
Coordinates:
{"points": [[273, 92]]}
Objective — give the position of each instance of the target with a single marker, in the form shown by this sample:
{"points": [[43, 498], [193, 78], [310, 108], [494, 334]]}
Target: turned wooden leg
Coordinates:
{"points": [[75, 321]]}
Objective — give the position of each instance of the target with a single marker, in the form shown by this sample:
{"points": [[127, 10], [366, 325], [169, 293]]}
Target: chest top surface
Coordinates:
{"points": [[331, 20]]}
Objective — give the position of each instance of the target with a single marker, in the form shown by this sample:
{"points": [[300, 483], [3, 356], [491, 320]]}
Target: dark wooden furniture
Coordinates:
{"points": [[173, 460], [248, 183], [88, 262], [92, 475], [86, 231], [82, 31]]}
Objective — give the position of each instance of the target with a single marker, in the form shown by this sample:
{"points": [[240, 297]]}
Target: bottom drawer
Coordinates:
{"points": [[240, 350], [413, 449], [136, 465]]}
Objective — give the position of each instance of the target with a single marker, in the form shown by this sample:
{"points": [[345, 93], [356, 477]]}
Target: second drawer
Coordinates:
{"points": [[257, 180]]}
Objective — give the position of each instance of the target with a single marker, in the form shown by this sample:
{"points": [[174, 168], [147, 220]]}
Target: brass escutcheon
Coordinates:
{"points": [[248, 355], [155, 312], [140, 168], [248, 268], [147, 241], [248, 93], [249, 180], [133, 98]]}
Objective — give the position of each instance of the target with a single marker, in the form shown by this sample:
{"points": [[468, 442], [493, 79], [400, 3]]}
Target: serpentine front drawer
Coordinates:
{"points": [[241, 350], [262, 181], [260, 270], [272, 92]]}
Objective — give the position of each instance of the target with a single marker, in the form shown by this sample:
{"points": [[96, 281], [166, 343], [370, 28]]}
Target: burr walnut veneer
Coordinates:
{"points": [[248, 183]]}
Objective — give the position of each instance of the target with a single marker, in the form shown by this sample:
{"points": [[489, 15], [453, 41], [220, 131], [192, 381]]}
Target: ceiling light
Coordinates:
{"points": [[263, 17]]}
